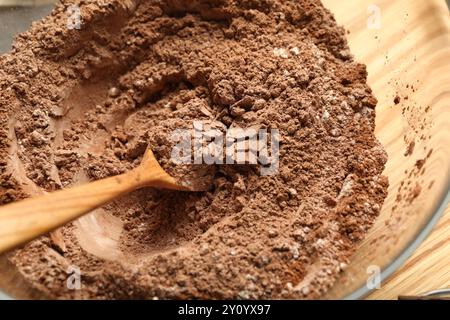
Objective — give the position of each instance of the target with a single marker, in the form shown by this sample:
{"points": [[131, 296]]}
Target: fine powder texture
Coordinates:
{"points": [[80, 105]]}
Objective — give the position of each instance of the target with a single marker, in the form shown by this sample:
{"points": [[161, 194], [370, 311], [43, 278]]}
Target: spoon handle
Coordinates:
{"points": [[27, 219]]}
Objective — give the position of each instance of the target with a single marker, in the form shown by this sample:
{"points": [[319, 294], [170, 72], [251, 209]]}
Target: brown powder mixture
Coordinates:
{"points": [[79, 105]]}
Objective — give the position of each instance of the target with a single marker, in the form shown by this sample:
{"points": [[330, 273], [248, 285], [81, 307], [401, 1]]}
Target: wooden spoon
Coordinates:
{"points": [[25, 220]]}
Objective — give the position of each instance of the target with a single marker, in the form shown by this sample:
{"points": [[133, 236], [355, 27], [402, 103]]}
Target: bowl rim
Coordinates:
{"points": [[413, 245]]}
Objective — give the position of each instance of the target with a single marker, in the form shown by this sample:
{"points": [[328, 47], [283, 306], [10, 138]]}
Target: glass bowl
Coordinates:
{"points": [[406, 52], [406, 45]]}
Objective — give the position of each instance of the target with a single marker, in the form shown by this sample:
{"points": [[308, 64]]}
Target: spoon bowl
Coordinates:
{"points": [[28, 219]]}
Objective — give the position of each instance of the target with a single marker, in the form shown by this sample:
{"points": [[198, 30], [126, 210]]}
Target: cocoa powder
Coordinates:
{"points": [[80, 105]]}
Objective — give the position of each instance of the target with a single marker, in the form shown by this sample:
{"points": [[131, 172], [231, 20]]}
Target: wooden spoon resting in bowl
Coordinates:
{"points": [[26, 220]]}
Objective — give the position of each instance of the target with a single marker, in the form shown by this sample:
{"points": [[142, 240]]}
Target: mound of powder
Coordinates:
{"points": [[80, 105]]}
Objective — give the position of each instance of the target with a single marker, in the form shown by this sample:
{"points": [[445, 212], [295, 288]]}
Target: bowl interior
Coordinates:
{"points": [[405, 45]]}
